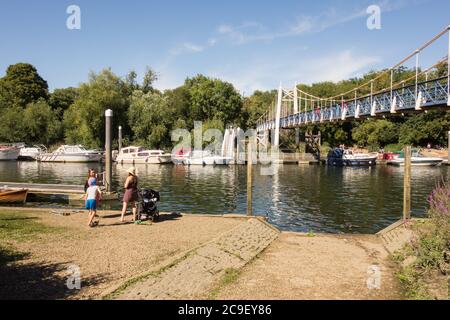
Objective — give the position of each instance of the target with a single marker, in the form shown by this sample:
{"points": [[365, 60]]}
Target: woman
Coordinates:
{"points": [[131, 193]]}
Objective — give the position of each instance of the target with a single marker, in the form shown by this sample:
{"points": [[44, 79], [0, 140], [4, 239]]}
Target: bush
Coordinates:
{"points": [[430, 250], [393, 147]]}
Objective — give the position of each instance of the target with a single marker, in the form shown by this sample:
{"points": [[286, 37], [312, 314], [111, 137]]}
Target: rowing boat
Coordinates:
{"points": [[13, 196]]}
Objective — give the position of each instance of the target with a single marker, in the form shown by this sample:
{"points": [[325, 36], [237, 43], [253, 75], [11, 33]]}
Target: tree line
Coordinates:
{"points": [[30, 113]]}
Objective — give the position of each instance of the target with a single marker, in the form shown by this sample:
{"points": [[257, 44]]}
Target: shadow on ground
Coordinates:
{"points": [[20, 280]]}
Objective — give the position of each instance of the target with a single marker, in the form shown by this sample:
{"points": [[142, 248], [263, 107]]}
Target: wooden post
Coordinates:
{"points": [[320, 145], [407, 185], [108, 149], [249, 179], [120, 138], [449, 148]]}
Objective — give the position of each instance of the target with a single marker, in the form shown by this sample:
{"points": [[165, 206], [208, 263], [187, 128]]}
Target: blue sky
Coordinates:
{"points": [[254, 44]]}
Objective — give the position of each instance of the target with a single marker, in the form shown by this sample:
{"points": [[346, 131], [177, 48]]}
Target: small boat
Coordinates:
{"points": [[139, 155], [417, 160], [339, 157], [202, 158], [9, 153], [179, 157], [13, 196], [31, 153], [71, 153]]}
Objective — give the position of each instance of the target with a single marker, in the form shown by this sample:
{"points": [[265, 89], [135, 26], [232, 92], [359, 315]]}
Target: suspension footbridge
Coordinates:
{"points": [[427, 89]]}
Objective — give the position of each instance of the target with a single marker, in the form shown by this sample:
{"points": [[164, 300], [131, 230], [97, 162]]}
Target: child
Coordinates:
{"points": [[93, 194]]}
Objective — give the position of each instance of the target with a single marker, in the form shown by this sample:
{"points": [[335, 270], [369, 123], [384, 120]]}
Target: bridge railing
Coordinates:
{"points": [[296, 107]]}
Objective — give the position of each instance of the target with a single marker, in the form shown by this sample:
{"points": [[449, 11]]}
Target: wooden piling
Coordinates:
{"points": [[407, 185], [448, 148], [249, 179], [120, 138], [108, 149]]}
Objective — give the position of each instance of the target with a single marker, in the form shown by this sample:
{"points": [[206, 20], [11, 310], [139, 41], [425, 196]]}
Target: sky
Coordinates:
{"points": [[254, 44]]}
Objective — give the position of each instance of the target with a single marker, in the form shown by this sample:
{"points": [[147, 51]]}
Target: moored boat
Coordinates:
{"points": [[339, 157], [417, 160], [9, 153], [202, 158], [71, 153], [31, 153], [139, 155], [13, 196]]}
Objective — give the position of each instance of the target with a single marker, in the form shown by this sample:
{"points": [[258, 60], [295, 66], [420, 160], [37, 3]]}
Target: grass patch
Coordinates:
{"points": [[230, 276], [19, 226], [310, 234]]}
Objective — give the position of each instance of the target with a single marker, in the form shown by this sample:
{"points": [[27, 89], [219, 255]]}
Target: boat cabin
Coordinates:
{"points": [[71, 149]]}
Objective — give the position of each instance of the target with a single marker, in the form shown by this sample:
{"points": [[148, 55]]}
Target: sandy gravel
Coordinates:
{"points": [[196, 276], [107, 255], [322, 267]]}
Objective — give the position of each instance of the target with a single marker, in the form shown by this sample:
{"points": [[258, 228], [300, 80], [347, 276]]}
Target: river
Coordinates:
{"points": [[294, 198]]}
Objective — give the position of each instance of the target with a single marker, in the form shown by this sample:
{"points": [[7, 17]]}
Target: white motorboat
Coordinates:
{"points": [[339, 157], [202, 158], [358, 159], [31, 153], [9, 153], [139, 155], [418, 160], [71, 153]]}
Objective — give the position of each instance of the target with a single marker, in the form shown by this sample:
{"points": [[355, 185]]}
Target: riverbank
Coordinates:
{"points": [[225, 257], [39, 245]]}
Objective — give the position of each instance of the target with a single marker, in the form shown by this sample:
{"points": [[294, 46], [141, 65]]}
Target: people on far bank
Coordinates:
{"points": [[92, 197], [131, 195]]}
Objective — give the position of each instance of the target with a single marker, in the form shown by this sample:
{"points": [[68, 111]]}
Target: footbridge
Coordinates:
{"points": [[427, 89]]}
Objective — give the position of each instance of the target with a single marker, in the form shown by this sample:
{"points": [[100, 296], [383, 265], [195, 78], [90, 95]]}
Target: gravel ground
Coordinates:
{"points": [[333, 267], [107, 255], [196, 276]]}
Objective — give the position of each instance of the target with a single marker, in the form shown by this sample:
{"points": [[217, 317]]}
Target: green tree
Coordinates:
{"points": [[375, 133], [422, 129], [12, 127], [61, 99], [21, 85], [84, 121], [214, 99], [150, 119], [256, 105], [41, 123]]}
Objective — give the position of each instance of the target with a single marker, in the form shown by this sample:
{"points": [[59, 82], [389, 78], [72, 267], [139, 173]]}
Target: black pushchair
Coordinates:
{"points": [[147, 208]]}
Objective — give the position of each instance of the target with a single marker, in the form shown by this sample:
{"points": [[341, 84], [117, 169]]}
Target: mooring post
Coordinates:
{"points": [[407, 185], [249, 178], [319, 145], [120, 138], [448, 148], [108, 149]]}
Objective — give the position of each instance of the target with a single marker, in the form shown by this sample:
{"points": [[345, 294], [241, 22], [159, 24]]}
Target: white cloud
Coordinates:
{"points": [[265, 75], [187, 47], [193, 47], [304, 24]]}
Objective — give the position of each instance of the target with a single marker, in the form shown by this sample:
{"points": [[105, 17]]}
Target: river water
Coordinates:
{"points": [[294, 198]]}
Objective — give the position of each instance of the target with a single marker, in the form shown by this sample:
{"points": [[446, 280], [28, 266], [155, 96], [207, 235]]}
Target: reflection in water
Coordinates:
{"points": [[298, 198]]}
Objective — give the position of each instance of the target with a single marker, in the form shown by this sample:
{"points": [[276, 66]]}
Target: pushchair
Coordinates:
{"points": [[147, 208]]}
